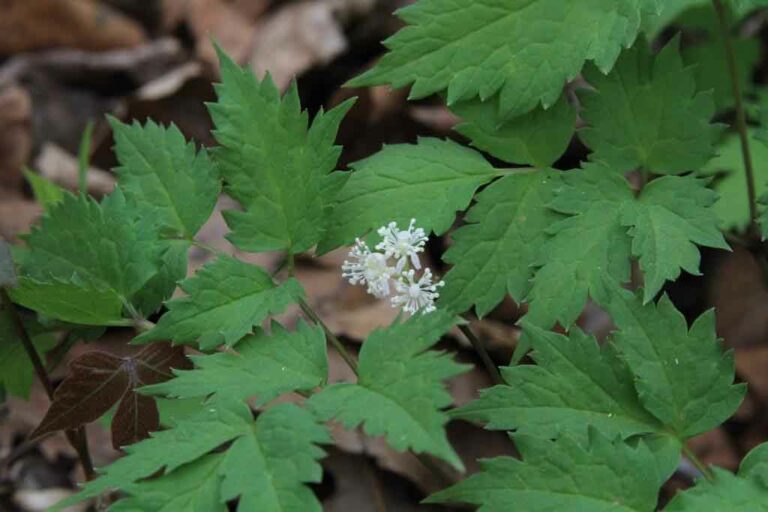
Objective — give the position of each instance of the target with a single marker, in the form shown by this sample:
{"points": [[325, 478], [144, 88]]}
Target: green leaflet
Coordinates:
{"points": [[266, 465], [16, 371], [476, 48], [755, 464], [70, 301], [272, 162], [575, 382], [429, 181], [173, 268], [596, 475], [585, 247], [728, 493], [226, 299], [46, 192], [538, 138], [672, 216], [648, 114], [682, 375], [494, 253], [399, 392], [93, 247], [161, 173], [264, 365]]}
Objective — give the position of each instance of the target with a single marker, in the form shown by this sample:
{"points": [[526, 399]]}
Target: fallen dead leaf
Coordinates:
{"points": [[60, 167], [15, 134]]}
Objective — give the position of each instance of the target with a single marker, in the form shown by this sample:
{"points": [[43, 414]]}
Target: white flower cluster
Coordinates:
{"points": [[383, 278]]}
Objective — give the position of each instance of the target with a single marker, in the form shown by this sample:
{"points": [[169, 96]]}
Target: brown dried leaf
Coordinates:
{"points": [[97, 380]]}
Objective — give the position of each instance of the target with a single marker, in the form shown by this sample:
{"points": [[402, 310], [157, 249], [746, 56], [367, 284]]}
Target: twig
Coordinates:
{"points": [[77, 438], [490, 366], [741, 116]]}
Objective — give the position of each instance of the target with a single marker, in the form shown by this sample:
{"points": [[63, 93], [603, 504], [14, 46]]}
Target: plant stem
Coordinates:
{"points": [[698, 463], [77, 438], [741, 116], [336, 342], [490, 366]]}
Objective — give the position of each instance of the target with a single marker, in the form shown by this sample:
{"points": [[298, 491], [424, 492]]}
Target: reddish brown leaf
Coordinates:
{"points": [[98, 380]]}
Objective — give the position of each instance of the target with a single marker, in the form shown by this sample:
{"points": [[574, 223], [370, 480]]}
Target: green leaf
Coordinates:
{"points": [[7, 266], [161, 173], [682, 375], [266, 464], [594, 476], [479, 48], [585, 247], [671, 216], [399, 392], [70, 301], [225, 300], [264, 365], [273, 163], [94, 246], [733, 206], [648, 114], [575, 382], [173, 268], [728, 493], [755, 464], [494, 253], [46, 192], [538, 138], [16, 370], [429, 181]]}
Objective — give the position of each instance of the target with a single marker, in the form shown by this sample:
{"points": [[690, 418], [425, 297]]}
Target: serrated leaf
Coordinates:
{"points": [[585, 247], [264, 365], [98, 246], [16, 370], [225, 300], [672, 215], [727, 493], [575, 382], [70, 301], [266, 464], [733, 206], [647, 113], [494, 253], [399, 392], [272, 161], [46, 192], [429, 181], [98, 380], [538, 138], [476, 48], [594, 476], [682, 375], [160, 172]]}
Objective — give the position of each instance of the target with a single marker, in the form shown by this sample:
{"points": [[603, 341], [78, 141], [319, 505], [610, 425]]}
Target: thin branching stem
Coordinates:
{"points": [[77, 438], [482, 352], [741, 116], [703, 468], [335, 341]]}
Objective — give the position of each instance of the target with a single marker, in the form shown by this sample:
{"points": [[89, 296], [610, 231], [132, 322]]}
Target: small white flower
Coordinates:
{"points": [[413, 295], [371, 268], [402, 244]]}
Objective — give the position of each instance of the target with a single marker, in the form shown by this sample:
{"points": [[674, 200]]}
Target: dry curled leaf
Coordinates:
{"points": [[97, 380]]}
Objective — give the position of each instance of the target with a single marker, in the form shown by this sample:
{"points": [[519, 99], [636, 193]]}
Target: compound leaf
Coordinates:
{"points": [[429, 181], [226, 299], [596, 475], [399, 392], [727, 493], [494, 253], [477, 48], [263, 365], [648, 114]]}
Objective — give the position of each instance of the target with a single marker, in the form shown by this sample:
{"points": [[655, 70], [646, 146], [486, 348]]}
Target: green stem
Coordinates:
{"points": [[698, 463], [77, 438], [490, 366], [335, 341], [741, 116]]}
